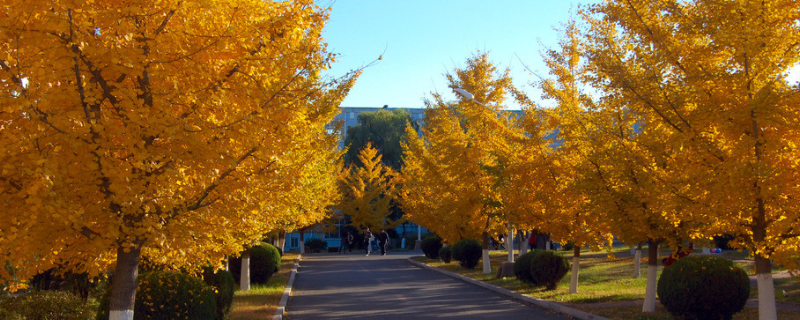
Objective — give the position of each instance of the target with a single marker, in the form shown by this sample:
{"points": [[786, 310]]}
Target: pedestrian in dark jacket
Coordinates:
{"points": [[383, 239]]}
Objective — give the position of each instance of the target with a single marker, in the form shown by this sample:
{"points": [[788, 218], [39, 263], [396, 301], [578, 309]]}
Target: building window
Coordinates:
{"points": [[295, 243]]}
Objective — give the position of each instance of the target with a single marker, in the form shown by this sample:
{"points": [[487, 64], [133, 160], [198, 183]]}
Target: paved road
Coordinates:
{"points": [[352, 286]]}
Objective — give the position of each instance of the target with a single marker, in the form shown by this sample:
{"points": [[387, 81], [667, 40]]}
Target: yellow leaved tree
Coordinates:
{"points": [[451, 181], [368, 191], [711, 77], [162, 130], [572, 214]]}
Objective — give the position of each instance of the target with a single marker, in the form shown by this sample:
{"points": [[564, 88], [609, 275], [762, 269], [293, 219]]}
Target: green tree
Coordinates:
{"points": [[385, 130]]}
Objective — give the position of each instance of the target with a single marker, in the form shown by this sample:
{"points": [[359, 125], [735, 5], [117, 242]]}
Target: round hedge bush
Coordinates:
{"points": [[264, 262], [522, 266], [274, 255], [547, 269], [467, 252], [167, 295], [430, 246], [445, 254], [703, 287], [221, 281], [52, 305]]}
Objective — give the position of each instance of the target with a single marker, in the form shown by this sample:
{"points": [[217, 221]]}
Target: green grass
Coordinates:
{"points": [[607, 287], [262, 300]]}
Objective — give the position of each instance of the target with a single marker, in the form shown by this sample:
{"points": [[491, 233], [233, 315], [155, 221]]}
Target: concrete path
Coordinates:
{"points": [[353, 286]]}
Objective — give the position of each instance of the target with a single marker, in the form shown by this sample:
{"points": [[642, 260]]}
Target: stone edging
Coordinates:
{"points": [[557, 307], [287, 292]]}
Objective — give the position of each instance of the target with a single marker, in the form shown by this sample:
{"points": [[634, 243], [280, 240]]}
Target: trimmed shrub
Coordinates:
{"points": [[445, 254], [467, 252], [316, 245], [522, 266], [262, 264], [274, 255], [166, 295], [547, 269], [703, 287], [221, 281], [430, 246], [51, 305]]}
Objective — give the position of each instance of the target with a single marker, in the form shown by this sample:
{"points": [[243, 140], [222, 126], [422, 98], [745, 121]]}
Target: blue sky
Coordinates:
{"points": [[425, 39]]}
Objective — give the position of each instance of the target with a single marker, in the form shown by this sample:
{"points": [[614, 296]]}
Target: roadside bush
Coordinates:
{"points": [[262, 264], [222, 281], [703, 287], [467, 252], [547, 269], [51, 305], [522, 266], [430, 246], [316, 245], [274, 255], [166, 295], [445, 254]]}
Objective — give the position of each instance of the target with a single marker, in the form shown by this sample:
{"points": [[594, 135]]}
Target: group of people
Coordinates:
{"points": [[347, 241]]}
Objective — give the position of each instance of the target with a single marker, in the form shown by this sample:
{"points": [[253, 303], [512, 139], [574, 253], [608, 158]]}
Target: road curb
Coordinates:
{"points": [[287, 291], [575, 313]]}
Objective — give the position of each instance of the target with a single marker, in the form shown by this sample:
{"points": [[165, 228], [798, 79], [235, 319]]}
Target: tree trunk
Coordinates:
{"points": [[123, 284], [282, 240], [766, 290], [302, 242], [487, 266], [244, 276], [637, 261], [523, 245], [652, 280], [510, 243], [576, 260]]}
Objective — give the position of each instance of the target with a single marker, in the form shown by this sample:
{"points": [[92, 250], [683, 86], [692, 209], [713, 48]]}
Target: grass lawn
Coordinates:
{"points": [[262, 300], [607, 286]]}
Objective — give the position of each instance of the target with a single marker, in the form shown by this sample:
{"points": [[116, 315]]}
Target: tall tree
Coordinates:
{"points": [[711, 76], [455, 162], [368, 190], [156, 129], [385, 130], [572, 215]]}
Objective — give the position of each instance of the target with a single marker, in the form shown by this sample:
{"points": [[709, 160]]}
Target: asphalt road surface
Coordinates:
{"points": [[354, 286]]}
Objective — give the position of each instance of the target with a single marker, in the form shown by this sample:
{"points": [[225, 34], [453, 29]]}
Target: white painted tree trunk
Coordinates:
{"points": [[120, 315], [767, 310], [637, 262], [487, 266], [302, 242], [652, 277], [650, 292], [523, 246], [123, 290], [244, 277], [576, 263], [510, 243]]}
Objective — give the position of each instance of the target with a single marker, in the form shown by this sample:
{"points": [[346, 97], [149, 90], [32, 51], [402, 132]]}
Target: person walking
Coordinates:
{"points": [[368, 240], [343, 242], [383, 239], [350, 241]]}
